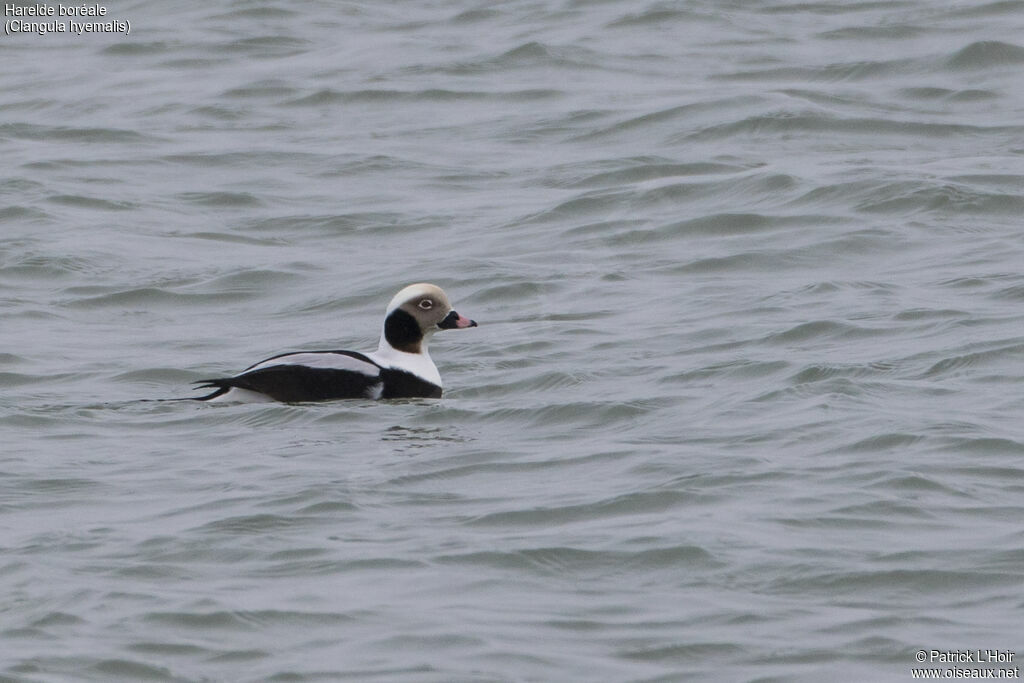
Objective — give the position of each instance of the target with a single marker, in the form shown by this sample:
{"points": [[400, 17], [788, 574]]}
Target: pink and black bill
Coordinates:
{"points": [[454, 321]]}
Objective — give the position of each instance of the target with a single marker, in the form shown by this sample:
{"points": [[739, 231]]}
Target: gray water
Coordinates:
{"points": [[744, 402]]}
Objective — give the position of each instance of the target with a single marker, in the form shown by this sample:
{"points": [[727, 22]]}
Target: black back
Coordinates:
{"points": [[296, 383]]}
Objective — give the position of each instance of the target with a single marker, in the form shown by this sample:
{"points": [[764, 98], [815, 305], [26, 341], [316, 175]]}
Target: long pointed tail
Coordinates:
{"points": [[219, 386]]}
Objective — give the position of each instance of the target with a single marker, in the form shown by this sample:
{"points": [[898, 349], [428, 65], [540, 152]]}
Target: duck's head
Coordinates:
{"points": [[416, 313]]}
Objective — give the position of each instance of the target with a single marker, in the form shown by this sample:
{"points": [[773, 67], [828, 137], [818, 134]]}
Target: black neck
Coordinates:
{"points": [[402, 331]]}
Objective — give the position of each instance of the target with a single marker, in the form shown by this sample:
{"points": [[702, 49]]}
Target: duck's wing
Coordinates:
{"points": [[304, 376]]}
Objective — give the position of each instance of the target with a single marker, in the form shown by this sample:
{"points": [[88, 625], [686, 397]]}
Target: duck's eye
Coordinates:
{"points": [[426, 304]]}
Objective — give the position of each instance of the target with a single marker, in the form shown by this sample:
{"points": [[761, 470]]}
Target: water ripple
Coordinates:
{"points": [[744, 400]]}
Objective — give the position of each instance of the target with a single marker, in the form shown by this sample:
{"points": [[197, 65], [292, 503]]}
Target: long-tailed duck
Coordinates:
{"points": [[399, 368]]}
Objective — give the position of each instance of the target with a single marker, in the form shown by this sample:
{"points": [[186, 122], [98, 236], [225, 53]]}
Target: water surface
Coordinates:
{"points": [[743, 405]]}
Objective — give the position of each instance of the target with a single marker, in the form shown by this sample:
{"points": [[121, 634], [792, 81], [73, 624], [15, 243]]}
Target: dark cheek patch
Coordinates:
{"points": [[402, 331]]}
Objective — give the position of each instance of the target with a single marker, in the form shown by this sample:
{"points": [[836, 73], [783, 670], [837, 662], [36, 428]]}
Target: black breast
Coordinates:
{"points": [[402, 384]]}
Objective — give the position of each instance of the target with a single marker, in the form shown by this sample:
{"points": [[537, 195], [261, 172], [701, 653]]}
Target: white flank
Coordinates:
{"points": [[327, 360]]}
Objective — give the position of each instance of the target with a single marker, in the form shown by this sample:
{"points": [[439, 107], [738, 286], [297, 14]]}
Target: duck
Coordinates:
{"points": [[401, 366]]}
